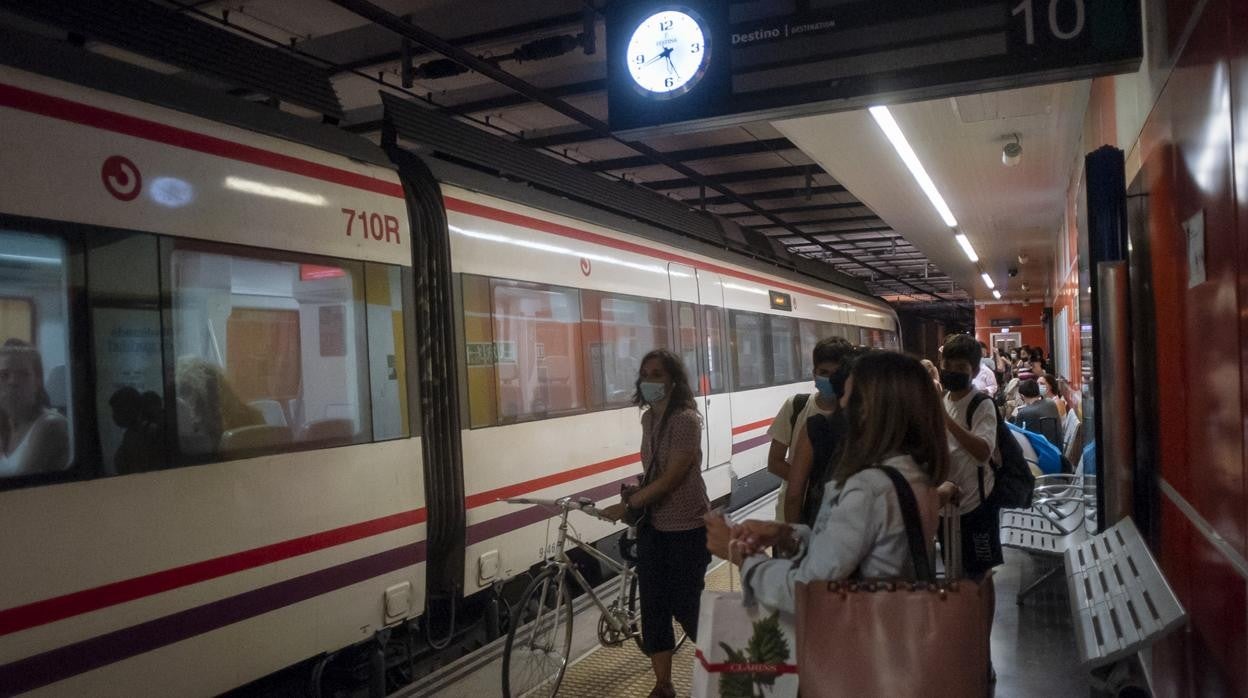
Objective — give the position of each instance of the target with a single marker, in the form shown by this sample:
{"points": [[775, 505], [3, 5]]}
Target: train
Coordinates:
{"points": [[288, 432]]}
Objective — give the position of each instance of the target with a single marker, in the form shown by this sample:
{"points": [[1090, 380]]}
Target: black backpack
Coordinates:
{"points": [[799, 404], [1014, 481]]}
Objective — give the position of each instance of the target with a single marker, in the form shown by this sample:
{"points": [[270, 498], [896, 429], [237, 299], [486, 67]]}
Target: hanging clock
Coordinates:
{"points": [[668, 53]]}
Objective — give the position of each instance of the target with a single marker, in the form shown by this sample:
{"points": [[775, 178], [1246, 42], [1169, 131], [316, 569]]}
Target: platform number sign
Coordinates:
{"points": [[1050, 24], [668, 53]]}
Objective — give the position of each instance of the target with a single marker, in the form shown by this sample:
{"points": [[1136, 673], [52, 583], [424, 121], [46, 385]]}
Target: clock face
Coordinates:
{"points": [[667, 53]]}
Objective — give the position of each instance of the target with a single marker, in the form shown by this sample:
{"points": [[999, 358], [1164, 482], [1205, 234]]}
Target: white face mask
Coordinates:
{"points": [[1044, 390]]}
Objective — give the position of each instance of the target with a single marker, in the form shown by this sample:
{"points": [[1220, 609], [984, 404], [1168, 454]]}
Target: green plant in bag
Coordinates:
{"points": [[767, 646]]}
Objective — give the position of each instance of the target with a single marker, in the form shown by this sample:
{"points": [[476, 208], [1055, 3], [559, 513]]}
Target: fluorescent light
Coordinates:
{"points": [[987, 280], [260, 188], [884, 118], [842, 308], [996, 294], [965, 242]]}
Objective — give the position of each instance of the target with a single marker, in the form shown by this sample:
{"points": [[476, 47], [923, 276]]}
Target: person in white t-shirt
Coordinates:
{"points": [[972, 443], [786, 431]]}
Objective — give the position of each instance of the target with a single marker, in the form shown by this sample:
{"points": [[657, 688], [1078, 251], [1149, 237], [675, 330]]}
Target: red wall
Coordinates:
{"points": [[1188, 162], [1032, 329]]}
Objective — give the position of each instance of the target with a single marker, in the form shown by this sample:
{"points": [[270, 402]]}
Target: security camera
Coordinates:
{"points": [[1012, 271], [1012, 153]]}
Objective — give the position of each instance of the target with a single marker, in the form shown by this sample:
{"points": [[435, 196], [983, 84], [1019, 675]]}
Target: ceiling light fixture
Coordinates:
{"points": [[965, 242], [987, 280], [996, 294], [889, 126]]}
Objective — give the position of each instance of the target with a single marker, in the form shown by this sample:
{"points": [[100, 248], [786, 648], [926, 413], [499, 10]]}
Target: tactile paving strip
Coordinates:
{"points": [[624, 672]]}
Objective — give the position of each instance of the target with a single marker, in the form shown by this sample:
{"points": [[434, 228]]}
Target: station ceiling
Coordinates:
{"points": [[834, 177]]}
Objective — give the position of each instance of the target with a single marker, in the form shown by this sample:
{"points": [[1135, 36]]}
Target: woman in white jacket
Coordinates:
{"points": [[896, 421]]}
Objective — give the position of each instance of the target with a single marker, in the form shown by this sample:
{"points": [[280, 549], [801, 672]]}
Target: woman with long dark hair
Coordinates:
{"points": [[895, 421], [671, 501], [34, 438]]}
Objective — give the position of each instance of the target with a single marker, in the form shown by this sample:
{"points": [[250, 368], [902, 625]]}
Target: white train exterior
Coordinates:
{"points": [[136, 240]]}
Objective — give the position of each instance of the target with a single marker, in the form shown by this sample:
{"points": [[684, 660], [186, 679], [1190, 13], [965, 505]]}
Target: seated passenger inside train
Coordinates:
{"points": [[34, 438], [208, 407]]}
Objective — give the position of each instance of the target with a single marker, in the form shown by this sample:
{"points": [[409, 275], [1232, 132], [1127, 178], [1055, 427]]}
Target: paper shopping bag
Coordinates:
{"points": [[743, 652]]}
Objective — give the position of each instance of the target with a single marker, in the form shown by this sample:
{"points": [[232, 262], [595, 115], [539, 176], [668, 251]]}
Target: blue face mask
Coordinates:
{"points": [[652, 392], [824, 385]]}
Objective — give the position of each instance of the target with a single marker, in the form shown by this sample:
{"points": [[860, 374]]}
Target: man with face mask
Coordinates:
{"points": [[788, 429]]}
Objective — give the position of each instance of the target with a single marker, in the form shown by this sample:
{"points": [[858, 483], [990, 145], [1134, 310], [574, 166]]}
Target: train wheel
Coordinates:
{"points": [[540, 639]]}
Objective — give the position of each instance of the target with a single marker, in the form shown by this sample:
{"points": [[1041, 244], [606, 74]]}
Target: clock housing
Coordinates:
{"points": [[668, 52]]}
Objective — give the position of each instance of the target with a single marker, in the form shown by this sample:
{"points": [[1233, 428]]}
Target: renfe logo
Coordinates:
{"points": [[121, 178], [373, 225]]}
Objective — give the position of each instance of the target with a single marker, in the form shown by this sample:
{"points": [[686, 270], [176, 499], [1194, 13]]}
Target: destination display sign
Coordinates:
{"points": [[1007, 322], [707, 63]]}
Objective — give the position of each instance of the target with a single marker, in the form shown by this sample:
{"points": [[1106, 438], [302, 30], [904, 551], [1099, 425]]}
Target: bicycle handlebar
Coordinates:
{"points": [[584, 504]]}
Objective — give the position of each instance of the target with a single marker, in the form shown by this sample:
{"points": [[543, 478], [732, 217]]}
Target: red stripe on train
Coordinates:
{"points": [[752, 426], [541, 483], [95, 117], [87, 600]]}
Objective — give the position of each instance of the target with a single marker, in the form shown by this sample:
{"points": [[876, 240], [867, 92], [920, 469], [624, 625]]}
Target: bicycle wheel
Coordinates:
{"points": [[540, 638], [634, 611]]}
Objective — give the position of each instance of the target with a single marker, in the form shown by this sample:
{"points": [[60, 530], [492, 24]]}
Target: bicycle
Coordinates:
{"points": [[539, 640]]}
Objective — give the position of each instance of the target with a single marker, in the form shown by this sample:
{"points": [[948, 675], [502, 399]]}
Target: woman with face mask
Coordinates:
{"points": [[34, 437], [671, 539]]}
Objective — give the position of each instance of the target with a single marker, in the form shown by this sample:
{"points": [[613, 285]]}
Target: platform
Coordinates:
{"points": [[1032, 648]]}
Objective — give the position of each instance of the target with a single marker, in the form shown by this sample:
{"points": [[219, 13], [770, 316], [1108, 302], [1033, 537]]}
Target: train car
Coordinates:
{"points": [[198, 296], [266, 442]]}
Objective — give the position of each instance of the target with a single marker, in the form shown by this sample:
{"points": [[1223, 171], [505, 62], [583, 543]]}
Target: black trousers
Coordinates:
{"points": [[671, 571]]}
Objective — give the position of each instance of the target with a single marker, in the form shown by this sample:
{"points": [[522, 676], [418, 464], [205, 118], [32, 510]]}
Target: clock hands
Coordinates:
{"points": [[666, 54]]}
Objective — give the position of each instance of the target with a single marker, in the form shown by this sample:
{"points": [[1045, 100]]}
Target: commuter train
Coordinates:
{"points": [[227, 322]]}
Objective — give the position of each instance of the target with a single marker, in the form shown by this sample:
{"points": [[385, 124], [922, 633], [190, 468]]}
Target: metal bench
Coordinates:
{"points": [[1120, 603], [1056, 522]]}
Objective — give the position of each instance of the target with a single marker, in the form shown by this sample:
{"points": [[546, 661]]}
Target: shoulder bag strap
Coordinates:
{"points": [[799, 404], [976, 401], [923, 571]]}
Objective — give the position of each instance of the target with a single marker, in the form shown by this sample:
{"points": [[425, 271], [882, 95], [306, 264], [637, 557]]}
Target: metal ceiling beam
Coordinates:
{"points": [[566, 138], [737, 177], [822, 221], [707, 153], [791, 193], [514, 100], [425, 38], [814, 208]]}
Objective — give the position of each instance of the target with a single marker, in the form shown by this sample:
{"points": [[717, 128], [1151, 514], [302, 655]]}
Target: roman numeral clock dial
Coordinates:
{"points": [[668, 53]]}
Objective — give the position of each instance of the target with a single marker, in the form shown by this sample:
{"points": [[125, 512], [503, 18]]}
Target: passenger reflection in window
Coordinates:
{"points": [[34, 438], [208, 407], [140, 419]]}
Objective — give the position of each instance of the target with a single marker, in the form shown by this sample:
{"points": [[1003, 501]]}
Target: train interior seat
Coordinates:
{"points": [[559, 383], [335, 430], [508, 389], [257, 437], [272, 411]]}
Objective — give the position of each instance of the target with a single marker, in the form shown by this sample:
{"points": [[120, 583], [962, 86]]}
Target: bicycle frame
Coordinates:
{"points": [[561, 560]]}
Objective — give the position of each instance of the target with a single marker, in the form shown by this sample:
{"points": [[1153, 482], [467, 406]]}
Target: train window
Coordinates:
{"points": [[536, 350], [619, 331], [123, 287], [749, 350], [34, 351], [687, 345], [783, 345], [480, 356], [713, 350], [810, 332], [388, 330], [271, 352]]}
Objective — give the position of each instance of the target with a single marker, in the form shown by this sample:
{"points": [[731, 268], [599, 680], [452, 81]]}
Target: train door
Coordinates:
{"points": [[714, 377]]}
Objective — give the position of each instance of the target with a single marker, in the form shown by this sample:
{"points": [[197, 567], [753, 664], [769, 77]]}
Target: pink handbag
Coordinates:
{"points": [[896, 638]]}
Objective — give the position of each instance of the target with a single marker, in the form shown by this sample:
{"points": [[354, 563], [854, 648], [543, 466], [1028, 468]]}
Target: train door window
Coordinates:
{"points": [[783, 346], [270, 352], [749, 350], [619, 331], [537, 350], [34, 352], [388, 339], [123, 287], [810, 333], [713, 349], [687, 345]]}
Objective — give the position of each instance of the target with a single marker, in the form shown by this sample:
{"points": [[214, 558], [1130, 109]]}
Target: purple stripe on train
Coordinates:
{"points": [[63, 662], [750, 443]]}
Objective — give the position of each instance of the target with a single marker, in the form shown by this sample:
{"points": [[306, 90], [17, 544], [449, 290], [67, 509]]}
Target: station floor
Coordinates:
{"points": [[1033, 648]]}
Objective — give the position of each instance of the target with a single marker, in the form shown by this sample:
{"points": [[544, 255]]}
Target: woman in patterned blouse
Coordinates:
{"points": [[671, 547]]}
